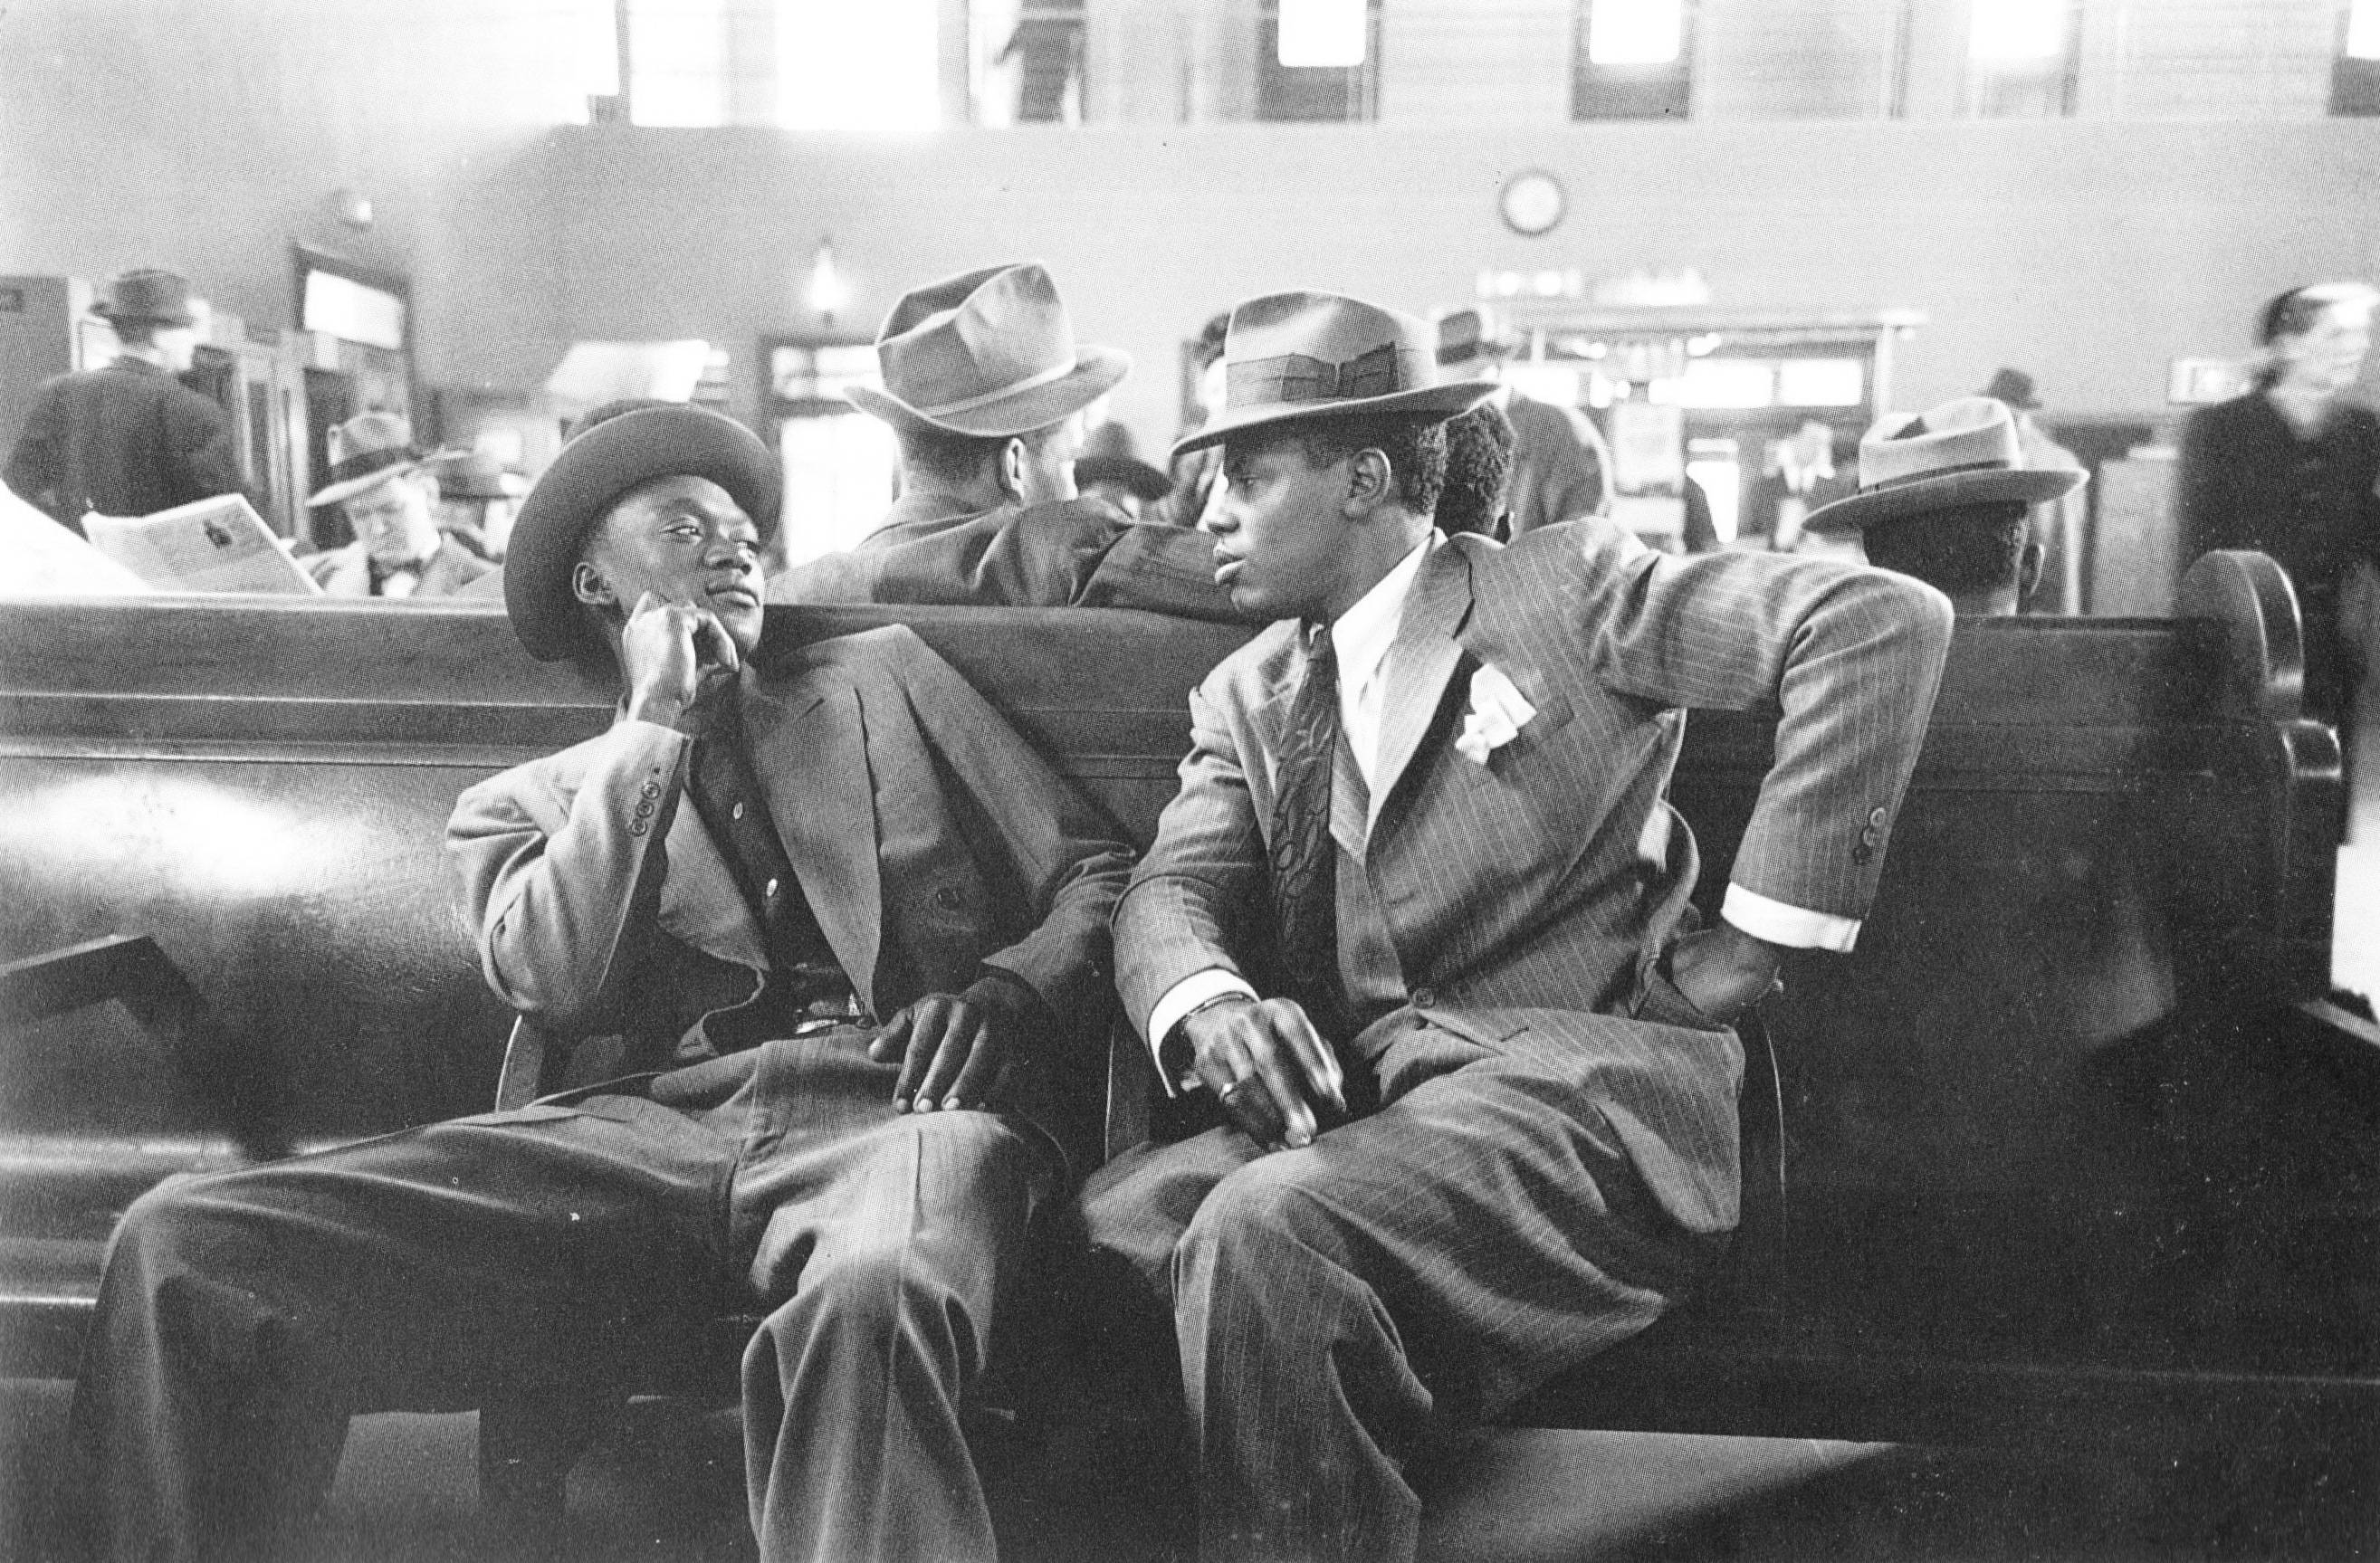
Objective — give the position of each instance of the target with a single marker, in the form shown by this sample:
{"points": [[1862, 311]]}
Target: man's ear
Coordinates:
{"points": [[1012, 466], [2028, 572], [588, 585], [1371, 482]]}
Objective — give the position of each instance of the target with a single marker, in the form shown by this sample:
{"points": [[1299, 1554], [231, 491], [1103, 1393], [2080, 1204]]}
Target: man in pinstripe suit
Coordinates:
{"points": [[1418, 921]]}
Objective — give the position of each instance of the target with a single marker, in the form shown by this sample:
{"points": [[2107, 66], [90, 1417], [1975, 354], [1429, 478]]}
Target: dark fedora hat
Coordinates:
{"points": [[1109, 457], [478, 475], [367, 451], [147, 294], [2015, 387], [606, 457]]}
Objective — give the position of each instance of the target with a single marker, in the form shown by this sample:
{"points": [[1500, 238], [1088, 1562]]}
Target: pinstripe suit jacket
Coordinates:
{"points": [[1537, 891]]}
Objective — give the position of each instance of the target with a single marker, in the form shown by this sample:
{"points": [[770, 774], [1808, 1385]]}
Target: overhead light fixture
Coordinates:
{"points": [[826, 292], [1627, 33], [2017, 29], [1328, 34]]}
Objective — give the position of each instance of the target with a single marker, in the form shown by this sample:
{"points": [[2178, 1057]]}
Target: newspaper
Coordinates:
{"points": [[218, 544], [39, 558]]}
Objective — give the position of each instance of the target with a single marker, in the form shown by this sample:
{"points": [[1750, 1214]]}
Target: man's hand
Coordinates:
{"points": [[1265, 1065], [954, 1048], [672, 655], [1723, 971]]}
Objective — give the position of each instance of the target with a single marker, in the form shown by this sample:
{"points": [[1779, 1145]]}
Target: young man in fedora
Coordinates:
{"points": [[841, 924], [388, 487], [1416, 922], [128, 439], [1948, 496], [985, 388]]}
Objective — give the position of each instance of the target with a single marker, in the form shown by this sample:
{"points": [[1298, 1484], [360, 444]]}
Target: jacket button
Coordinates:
{"points": [[947, 897], [1875, 816], [1424, 998]]}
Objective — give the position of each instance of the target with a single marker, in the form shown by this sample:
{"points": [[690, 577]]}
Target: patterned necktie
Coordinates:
{"points": [[1305, 859]]}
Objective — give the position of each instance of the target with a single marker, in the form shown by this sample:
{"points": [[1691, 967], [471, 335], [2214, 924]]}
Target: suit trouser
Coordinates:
{"points": [[244, 1316], [1338, 1307]]}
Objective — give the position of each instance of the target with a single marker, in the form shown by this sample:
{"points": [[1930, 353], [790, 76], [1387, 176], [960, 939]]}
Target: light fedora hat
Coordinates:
{"points": [[1320, 355], [369, 449], [1965, 451], [988, 353]]}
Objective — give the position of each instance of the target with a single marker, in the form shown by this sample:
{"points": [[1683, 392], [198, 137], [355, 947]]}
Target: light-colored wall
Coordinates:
{"points": [[2088, 253]]}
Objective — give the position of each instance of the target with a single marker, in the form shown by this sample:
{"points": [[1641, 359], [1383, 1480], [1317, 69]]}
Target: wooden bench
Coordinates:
{"points": [[260, 790]]}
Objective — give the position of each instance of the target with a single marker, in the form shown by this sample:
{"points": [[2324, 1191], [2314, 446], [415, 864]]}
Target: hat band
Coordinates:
{"points": [[365, 462], [1030, 382], [1293, 377], [1907, 478]]}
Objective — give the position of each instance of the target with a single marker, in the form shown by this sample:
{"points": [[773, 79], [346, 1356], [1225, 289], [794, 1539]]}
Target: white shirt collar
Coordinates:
{"points": [[1362, 634]]}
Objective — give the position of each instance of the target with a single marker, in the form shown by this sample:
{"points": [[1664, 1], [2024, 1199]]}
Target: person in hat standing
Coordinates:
{"points": [[1949, 496], [129, 439], [846, 996], [2057, 526], [1110, 471], [1416, 927], [388, 487], [1562, 468], [984, 387], [478, 497]]}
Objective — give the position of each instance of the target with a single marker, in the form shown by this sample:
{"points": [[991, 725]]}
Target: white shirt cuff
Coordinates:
{"points": [[1179, 1001], [1794, 927]]}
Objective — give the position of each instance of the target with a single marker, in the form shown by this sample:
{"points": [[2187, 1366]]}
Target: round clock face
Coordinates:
{"points": [[1532, 202]]}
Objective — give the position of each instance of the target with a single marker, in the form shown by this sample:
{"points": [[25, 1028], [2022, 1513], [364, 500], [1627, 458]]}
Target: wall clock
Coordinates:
{"points": [[1532, 202]]}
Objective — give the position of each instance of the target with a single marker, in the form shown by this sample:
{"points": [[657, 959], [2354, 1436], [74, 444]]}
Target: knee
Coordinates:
{"points": [[878, 1298], [1257, 1214]]}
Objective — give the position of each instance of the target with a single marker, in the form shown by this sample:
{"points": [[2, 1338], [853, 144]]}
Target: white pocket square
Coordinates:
{"points": [[1497, 713]]}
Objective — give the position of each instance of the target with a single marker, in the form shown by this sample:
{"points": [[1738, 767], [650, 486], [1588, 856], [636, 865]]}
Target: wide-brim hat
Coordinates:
{"points": [[1109, 457], [1301, 355], [1467, 337], [1965, 451], [2015, 387], [596, 467], [990, 354], [367, 451], [148, 294]]}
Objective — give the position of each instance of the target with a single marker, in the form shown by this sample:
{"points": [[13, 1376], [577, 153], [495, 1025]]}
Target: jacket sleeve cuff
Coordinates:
{"points": [[1170, 1011], [1796, 927]]}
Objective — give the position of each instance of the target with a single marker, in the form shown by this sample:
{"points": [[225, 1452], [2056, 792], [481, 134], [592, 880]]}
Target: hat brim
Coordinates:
{"points": [[1097, 371], [1451, 399], [178, 317], [2021, 484], [593, 470], [349, 488], [1140, 479]]}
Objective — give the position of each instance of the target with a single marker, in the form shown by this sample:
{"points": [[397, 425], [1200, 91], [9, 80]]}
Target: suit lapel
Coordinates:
{"points": [[809, 748], [1421, 660]]}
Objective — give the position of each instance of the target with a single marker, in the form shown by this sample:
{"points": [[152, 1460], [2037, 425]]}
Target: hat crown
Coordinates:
{"points": [[1292, 347], [975, 338], [147, 294], [369, 434], [1969, 434]]}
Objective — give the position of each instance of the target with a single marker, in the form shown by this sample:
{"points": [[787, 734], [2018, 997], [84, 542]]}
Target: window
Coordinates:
{"points": [[839, 463], [1291, 32], [1634, 59], [2355, 74], [677, 61], [2020, 59], [845, 65], [1026, 61]]}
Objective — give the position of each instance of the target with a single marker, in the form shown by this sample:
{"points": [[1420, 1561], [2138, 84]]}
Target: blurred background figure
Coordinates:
{"points": [[1110, 469], [388, 487], [2289, 467], [1561, 470], [2057, 527], [1194, 472], [476, 500], [1478, 474], [128, 439]]}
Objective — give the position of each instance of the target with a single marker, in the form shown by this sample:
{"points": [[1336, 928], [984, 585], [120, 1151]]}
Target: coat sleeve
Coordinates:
{"points": [[1069, 858], [1848, 658], [1192, 901], [562, 906], [200, 452]]}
